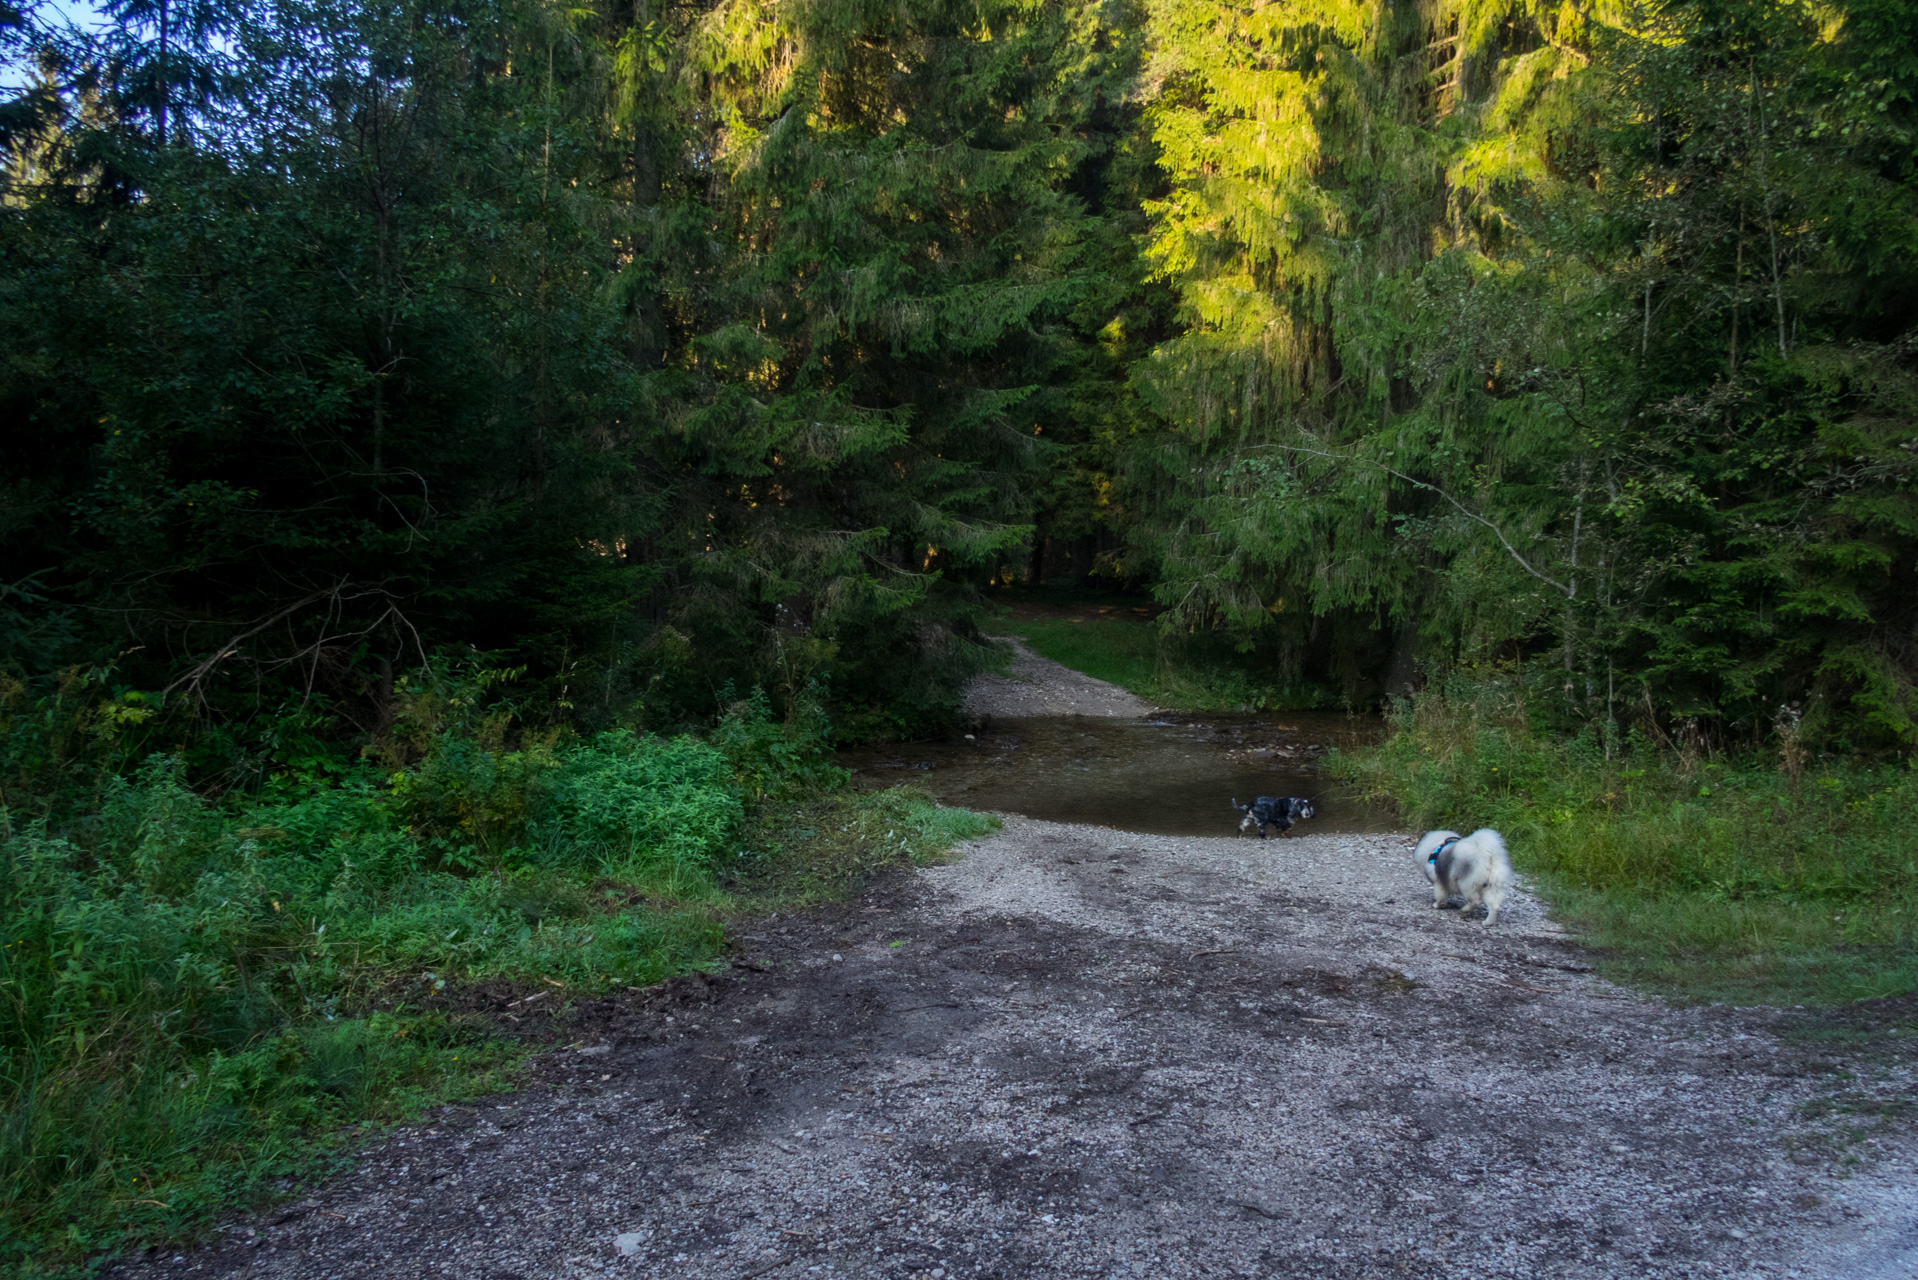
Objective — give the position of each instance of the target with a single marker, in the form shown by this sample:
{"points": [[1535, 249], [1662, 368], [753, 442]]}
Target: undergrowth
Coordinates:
{"points": [[821, 847], [1747, 879], [199, 990]]}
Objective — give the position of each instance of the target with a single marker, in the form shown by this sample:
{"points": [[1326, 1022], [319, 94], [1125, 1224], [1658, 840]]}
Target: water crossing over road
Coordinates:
{"points": [[1166, 775]]}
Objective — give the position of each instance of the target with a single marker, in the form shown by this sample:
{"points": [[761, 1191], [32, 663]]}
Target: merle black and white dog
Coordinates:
{"points": [[1472, 867], [1275, 811]]}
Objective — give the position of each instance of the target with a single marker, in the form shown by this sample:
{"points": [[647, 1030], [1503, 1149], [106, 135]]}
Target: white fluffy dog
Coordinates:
{"points": [[1474, 867]]}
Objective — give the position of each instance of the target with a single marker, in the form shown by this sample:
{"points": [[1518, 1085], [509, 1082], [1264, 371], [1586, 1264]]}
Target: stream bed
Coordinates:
{"points": [[1166, 775]]}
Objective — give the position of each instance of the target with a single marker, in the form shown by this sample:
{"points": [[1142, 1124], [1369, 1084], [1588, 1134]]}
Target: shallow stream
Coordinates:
{"points": [[1169, 775]]}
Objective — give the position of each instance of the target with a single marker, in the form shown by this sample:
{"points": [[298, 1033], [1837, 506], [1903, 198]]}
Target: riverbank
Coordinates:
{"points": [[1115, 639], [1036, 685]]}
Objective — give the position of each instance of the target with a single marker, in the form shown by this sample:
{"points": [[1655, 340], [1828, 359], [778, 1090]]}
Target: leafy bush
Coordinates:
{"points": [[202, 994], [775, 759], [643, 805], [472, 800], [636, 807], [171, 1022]]}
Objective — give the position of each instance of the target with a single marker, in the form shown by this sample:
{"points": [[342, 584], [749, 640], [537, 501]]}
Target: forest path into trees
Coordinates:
{"points": [[1080, 1052], [1037, 686]]}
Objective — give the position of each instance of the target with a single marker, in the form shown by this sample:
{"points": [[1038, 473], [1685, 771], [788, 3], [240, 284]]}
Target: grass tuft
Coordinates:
{"points": [[821, 848]]}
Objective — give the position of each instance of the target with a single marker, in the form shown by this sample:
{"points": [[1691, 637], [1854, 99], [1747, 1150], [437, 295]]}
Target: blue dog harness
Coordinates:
{"points": [[1433, 860]]}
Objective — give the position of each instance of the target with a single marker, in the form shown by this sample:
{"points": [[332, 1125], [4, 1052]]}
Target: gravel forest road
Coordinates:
{"points": [[1075, 1052], [1032, 685]]}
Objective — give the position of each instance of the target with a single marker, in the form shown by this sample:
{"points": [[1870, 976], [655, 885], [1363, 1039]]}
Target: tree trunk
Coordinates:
{"points": [[1402, 674]]}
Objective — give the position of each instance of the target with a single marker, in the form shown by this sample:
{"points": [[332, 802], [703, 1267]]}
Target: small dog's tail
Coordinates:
{"points": [[1240, 807], [1499, 878]]}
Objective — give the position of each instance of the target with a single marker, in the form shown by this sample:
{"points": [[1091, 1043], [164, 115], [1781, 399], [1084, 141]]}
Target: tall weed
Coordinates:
{"points": [[642, 808], [775, 759], [186, 983]]}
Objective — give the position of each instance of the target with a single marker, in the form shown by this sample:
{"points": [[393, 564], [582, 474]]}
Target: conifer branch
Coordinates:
{"points": [[1463, 510]]}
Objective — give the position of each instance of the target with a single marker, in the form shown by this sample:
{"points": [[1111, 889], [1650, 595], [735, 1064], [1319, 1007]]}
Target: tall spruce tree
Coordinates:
{"points": [[666, 348], [332, 384], [1507, 332], [887, 328], [1338, 225], [1752, 212]]}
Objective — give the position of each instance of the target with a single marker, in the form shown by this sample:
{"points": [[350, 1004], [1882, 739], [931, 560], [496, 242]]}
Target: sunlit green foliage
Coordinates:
{"points": [[1575, 332], [887, 320], [665, 349], [1340, 232]]}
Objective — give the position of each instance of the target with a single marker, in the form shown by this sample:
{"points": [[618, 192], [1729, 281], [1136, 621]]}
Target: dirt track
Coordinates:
{"points": [[1036, 686], [1080, 1053], [1085, 1053]]}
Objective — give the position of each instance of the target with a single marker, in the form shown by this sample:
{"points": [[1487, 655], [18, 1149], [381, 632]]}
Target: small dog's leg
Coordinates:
{"points": [[1494, 899], [1439, 896]]}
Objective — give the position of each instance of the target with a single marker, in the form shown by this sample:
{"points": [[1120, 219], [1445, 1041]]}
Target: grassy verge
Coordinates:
{"points": [[1196, 674], [824, 847], [1702, 878], [202, 1002]]}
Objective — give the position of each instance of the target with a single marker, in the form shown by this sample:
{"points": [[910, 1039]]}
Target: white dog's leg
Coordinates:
{"points": [[1439, 895], [1494, 899]]}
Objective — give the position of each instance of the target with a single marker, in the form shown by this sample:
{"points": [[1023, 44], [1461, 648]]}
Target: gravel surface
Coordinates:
{"points": [[1036, 686], [1078, 1052]]}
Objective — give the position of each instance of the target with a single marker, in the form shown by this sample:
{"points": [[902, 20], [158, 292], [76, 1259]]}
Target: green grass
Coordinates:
{"points": [[823, 847], [1197, 674], [203, 1001], [1702, 878]]}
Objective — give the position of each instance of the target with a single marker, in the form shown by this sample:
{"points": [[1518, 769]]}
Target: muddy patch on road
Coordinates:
{"points": [[1081, 1053]]}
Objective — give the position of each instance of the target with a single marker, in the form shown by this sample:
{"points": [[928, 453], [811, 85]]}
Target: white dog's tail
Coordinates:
{"points": [[1498, 878]]}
